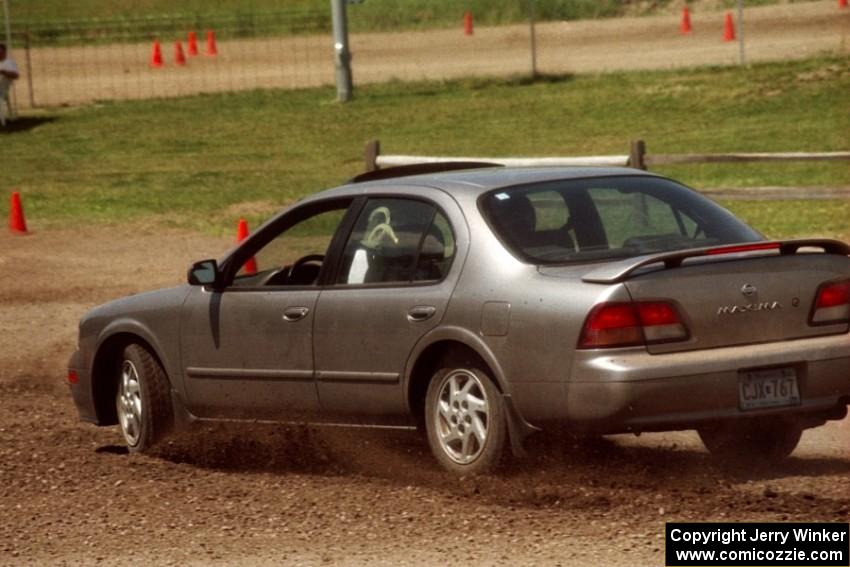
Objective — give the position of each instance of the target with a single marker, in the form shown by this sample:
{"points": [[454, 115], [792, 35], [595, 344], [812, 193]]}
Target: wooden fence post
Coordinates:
{"points": [[371, 153], [637, 153]]}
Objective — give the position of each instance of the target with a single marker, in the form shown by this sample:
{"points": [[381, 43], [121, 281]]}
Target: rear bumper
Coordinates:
{"points": [[632, 390], [82, 390]]}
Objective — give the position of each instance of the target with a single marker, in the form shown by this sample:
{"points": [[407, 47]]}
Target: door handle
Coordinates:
{"points": [[293, 314], [421, 313]]}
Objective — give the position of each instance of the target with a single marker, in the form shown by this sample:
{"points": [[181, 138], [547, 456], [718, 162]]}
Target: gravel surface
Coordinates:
{"points": [[264, 494]]}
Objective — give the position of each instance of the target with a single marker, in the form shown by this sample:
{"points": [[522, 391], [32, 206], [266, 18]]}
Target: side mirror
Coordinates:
{"points": [[204, 272]]}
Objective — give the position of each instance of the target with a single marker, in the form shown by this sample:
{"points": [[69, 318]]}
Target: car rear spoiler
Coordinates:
{"points": [[621, 271]]}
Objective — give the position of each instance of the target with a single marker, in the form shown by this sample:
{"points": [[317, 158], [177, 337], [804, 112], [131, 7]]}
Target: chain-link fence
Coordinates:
{"points": [[78, 61], [73, 62]]}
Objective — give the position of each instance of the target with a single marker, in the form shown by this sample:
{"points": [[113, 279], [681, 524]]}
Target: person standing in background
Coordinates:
{"points": [[8, 73]]}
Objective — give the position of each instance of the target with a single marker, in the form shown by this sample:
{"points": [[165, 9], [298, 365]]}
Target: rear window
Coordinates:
{"points": [[610, 217]]}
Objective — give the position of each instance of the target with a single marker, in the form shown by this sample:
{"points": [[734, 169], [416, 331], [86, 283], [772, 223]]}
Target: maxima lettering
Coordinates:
{"points": [[763, 306]]}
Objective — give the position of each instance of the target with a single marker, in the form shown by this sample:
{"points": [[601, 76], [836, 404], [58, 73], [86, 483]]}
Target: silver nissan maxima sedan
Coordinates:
{"points": [[482, 304]]}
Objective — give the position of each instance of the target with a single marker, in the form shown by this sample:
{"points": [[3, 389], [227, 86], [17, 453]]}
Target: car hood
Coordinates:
{"points": [[136, 305]]}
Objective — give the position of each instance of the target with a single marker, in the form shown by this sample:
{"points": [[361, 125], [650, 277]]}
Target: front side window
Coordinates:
{"points": [[295, 255], [609, 217], [397, 241]]}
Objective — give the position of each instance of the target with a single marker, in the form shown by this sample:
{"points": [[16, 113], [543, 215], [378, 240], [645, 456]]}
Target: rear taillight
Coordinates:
{"points": [[832, 304], [611, 324], [661, 322], [621, 324]]}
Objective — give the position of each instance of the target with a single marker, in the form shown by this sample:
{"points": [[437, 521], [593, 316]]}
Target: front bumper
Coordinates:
{"points": [[82, 390], [632, 390]]}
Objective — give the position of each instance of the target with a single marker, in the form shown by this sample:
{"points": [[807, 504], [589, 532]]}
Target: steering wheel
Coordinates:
{"points": [[305, 270], [306, 260], [281, 276], [276, 277]]}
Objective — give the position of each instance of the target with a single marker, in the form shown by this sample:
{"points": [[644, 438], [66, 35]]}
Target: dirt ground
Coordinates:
{"points": [[109, 72], [273, 495]]}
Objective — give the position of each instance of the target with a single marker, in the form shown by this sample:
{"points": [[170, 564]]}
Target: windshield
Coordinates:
{"points": [[581, 220]]}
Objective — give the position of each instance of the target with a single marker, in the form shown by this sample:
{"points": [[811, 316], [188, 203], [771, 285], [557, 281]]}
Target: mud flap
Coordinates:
{"points": [[518, 428], [183, 418]]}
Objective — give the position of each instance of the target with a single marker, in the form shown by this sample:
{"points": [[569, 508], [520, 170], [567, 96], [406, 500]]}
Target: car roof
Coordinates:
{"points": [[472, 182], [485, 179]]}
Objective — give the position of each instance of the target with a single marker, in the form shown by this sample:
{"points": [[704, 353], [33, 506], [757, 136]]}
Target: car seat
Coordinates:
{"points": [[518, 220]]}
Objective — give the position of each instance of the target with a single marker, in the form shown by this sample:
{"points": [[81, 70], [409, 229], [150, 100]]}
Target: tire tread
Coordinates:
{"points": [[156, 395]]}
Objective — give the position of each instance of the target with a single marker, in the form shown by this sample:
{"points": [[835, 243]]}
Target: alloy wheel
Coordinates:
{"points": [[462, 416], [129, 404]]}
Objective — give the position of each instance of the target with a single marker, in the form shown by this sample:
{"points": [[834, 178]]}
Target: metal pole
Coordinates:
{"points": [[533, 36], [29, 67], [342, 53], [742, 56]]}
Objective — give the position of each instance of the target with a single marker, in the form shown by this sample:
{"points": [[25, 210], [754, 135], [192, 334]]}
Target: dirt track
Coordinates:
{"points": [[107, 72], [271, 495]]}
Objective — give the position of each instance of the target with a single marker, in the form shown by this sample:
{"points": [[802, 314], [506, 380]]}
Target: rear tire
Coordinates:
{"points": [[143, 401], [466, 420], [763, 440]]}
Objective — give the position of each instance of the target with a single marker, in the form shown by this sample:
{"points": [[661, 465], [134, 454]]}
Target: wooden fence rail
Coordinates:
{"points": [[637, 158]]}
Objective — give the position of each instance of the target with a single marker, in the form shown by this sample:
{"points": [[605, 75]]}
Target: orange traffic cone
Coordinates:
{"points": [[179, 56], [212, 49], [467, 23], [729, 28], [192, 44], [17, 222], [250, 266], [156, 55], [685, 26]]}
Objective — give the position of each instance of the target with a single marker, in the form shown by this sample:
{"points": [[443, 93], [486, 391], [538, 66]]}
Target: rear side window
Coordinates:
{"points": [[437, 250], [397, 241], [610, 217]]}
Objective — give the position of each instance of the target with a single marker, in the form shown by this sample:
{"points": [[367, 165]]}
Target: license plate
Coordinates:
{"points": [[776, 387]]}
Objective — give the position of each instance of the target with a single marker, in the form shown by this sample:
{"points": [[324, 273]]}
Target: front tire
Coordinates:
{"points": [[143, 401], [757, 441], [465, 420]]}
